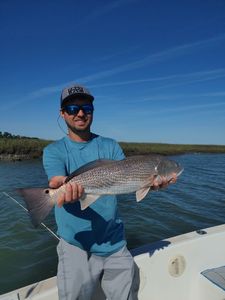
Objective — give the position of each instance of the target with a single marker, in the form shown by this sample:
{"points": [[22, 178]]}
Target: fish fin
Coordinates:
{"points": [[89, 166], [180, 171], [38, 202], [87, 199], [140, 194]]}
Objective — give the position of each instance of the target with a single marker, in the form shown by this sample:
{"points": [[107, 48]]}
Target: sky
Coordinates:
{"points": [[155, 67]]}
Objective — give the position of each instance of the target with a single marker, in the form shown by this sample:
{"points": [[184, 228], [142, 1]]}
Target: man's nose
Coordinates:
{"points": [[80, 113]]}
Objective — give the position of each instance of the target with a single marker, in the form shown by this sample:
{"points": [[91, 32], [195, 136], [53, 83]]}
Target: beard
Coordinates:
{"points": [[79, 129]]}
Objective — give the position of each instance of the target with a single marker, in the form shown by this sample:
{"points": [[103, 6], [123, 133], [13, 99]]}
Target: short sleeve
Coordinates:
{"points": [[53, 162], [117, 152]]}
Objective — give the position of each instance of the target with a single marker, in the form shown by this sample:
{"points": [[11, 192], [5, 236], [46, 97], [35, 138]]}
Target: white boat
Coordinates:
{"points": [[190, 266]]}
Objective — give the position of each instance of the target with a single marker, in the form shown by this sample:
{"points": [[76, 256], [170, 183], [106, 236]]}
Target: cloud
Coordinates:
{"points": [[184, 108], [149, 59], [181, 81], [183, 96], [194, 76], [118, 53], [154, 58], [102, 10]]}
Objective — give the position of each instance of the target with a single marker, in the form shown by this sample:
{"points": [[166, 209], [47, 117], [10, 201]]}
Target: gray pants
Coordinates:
{"points": [[78, 275]]}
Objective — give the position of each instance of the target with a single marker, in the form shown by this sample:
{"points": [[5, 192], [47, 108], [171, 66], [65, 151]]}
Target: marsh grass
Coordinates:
{"points": [[168, 149], [22, 147], [29, 148]]}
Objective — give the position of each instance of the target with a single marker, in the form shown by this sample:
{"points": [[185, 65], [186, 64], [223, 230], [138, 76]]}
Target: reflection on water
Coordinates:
{"points": [[27, 255]]}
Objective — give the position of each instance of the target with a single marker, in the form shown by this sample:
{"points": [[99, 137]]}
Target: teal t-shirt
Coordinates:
{"points": [[97, 229]]}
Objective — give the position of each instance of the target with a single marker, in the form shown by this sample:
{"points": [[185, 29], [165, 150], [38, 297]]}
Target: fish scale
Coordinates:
{"points": [[119, 177], [103, 177]]}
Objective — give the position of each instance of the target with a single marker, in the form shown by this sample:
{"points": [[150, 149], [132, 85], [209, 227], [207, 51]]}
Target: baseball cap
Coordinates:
{"points": [[74, 91]]}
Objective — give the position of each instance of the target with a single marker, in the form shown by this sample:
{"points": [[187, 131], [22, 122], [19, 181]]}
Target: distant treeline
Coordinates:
{"points": [[17, 147], [8, 135]]}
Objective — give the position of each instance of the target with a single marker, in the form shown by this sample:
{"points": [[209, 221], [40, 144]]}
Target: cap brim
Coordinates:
{"points": [[76, 97]]}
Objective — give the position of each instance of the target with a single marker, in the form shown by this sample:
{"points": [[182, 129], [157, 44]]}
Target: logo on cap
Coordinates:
{"points": [[75, 89]]}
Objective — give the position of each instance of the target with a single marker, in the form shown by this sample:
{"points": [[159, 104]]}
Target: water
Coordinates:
{"points": [[28, 255]]}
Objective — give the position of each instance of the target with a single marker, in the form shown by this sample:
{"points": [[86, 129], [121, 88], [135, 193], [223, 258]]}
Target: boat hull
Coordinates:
{"points": [[177, 268]]}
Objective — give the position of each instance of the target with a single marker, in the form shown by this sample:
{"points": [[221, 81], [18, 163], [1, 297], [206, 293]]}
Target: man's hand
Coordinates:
{"points": [[163, 182], [73, 190]]}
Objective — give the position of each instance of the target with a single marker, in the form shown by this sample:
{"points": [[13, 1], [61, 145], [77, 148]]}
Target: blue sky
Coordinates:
{"points": [[155, 67]]}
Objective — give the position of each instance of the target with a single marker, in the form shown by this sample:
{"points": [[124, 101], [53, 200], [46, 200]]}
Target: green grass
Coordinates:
{"points": [[168, 149], [33, 148]]}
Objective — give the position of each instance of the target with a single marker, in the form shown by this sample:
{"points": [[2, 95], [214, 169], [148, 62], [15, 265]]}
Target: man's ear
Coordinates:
{"points": [[62, 114]]}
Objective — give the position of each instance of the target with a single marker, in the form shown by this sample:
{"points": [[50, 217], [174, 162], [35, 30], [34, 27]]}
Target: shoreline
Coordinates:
{"points": [[7, 157], [17, 149], [17, 157], [169, 149]]}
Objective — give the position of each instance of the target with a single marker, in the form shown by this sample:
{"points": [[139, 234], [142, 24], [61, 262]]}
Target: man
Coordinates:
{"points": [[92, 244], [92, 241]]}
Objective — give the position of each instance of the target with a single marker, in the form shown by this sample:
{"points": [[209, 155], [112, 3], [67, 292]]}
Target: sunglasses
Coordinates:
{"points": [[74, 109]]}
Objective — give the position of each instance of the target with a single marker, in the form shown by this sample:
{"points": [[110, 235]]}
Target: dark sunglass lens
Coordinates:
{"points": [[87, 109], [74, 109]]}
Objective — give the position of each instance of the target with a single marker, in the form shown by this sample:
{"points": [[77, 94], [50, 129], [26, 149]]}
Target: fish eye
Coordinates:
{"points": [[46, 191]]}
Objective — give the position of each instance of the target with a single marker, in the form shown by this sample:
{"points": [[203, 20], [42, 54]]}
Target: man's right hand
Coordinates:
{"points": [[73, 191]]}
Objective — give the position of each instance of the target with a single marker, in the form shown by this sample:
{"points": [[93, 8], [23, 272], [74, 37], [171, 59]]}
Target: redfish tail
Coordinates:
{"points": [[38, 202]]}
